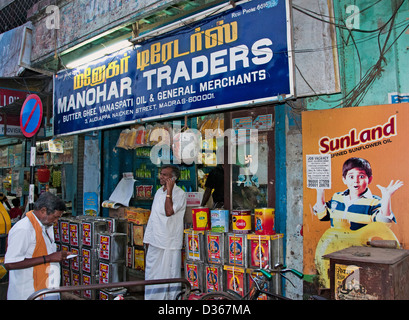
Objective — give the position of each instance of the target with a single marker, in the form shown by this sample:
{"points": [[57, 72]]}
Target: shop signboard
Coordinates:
{"points": [[229, 57], [237, 57], [355, 212]]}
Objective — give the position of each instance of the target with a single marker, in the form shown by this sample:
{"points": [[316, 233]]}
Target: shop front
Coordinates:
{"points": [[200, 96]]}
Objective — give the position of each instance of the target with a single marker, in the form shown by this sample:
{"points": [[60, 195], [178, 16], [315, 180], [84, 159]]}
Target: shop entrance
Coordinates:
{"points": [[252, 171]]}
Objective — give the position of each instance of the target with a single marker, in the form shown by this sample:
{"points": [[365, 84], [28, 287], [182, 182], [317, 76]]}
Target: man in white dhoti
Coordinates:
{"points": [[164, 235]]}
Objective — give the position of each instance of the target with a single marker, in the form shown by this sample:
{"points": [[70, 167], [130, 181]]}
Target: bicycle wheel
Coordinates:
{"points": [[218, 295]]}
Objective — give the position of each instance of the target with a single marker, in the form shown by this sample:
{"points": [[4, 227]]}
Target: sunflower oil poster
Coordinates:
{"points": [[356, 188]]}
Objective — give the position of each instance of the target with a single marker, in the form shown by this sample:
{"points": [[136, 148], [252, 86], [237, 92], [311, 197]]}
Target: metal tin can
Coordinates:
{"points": [[219, 220], [201, 219], [112, 246], [75, 262], [194, 274], [89, 262], [264, 221], [241, 221], [215, 247], [111, 272], [236, 249], [213, 275], [259, 250], [194, 244]]}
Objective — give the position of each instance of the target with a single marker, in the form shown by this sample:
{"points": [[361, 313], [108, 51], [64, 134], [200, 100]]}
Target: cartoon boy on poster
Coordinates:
{"points": [[356, 215]]}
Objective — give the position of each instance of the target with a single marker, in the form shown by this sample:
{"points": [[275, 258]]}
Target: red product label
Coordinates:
{"points": [[103, 272], [104, 247], [86, 280], [74, 234], [86, 260], [192, 275], [75, 262], [213, 248], [235, 281], [56, 232], [212, 279], [65, 232], [65, 263], [86, 234], [236, 256], [66, 277], [260, 254]]}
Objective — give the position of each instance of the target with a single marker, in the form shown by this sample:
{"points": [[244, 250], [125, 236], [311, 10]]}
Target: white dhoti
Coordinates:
{"points": [[162, 264]]}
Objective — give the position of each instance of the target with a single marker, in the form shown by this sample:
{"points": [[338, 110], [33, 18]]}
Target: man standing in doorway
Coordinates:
{"points": [[164, 235], [31, 255]]}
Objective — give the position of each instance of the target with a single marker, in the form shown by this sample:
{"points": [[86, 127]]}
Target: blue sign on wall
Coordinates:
{"points": [[232, 58]]}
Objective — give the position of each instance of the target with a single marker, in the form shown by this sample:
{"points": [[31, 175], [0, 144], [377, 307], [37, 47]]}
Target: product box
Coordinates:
{"points": [[137, 215]]}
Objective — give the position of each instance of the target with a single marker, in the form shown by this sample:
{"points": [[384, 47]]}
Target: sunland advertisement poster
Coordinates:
{"points": [[232, 56], [356, 180]]}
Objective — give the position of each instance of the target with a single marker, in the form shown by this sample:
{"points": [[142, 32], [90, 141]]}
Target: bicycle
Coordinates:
{"points": [[259, 282]]}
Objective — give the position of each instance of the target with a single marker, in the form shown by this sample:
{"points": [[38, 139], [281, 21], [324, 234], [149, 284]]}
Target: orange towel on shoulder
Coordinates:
{"points": [[40, 272]]}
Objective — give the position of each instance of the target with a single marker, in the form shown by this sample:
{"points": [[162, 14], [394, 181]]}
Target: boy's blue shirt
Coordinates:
{"points": [[359, 213]]}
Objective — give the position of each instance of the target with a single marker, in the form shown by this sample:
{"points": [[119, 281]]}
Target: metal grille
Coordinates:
{"points": [[15, 14]]}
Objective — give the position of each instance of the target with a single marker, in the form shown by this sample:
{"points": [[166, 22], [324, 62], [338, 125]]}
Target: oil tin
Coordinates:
{"points": [[194, 274], [111, 272], [264, 221], [112, 246], [74, 233], [259, 247], [219, 220], [201, 219], [235, 279], [194, 245], [241, 221], [213, 275], [89, 230], [112, 293], [215, 247], [236, 248], [89, 261], [87, 279]]}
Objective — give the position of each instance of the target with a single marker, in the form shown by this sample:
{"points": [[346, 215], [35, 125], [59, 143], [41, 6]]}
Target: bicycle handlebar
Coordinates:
{"points": [[279, 268]]}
